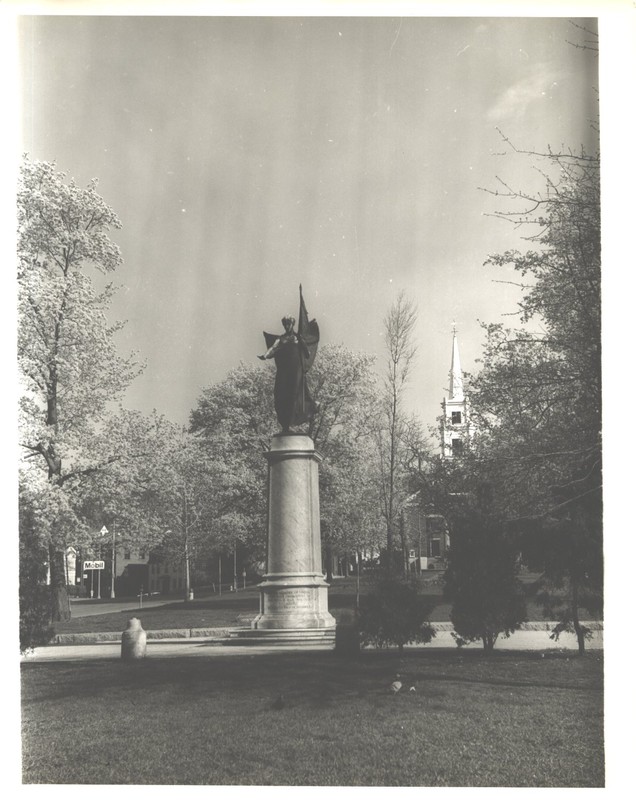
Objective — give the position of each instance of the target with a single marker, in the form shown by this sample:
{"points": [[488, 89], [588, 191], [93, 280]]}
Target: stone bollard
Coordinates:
{"points": [[133, 641]]}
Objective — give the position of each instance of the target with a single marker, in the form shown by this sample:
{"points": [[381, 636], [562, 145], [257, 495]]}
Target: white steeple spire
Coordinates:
{"points": [[456, 378]]}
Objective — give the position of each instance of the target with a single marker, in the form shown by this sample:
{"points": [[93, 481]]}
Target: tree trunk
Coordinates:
{"points": [[580, 635], [60, 606], [329, 563], [405, 561]]}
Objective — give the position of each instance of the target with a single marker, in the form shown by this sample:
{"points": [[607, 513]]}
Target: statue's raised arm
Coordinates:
{"points": [[293, 354]]}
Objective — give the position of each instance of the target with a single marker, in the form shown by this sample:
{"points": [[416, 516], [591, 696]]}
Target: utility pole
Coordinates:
{"points": [[104, 532], [189, 594], [113, 567]]}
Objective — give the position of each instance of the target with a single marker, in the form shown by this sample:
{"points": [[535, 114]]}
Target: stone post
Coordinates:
{"points": [[133, 641], [294, 592]]}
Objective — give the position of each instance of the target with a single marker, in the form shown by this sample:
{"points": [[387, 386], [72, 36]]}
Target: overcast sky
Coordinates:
{"points": [[247, 155]]}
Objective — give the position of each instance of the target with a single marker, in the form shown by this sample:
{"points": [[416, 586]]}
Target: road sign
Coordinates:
{"points": [[104, 531], [93, 565]]}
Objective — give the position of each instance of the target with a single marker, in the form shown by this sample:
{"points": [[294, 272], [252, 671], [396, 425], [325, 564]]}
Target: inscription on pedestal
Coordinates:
{"points": [[295, 599]]}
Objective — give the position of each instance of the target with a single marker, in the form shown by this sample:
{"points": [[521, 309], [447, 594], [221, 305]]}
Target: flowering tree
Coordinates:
{"points": [[70, 369]]}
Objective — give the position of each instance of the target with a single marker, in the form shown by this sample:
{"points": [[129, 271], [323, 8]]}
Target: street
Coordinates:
{"points": [[91, 608]]}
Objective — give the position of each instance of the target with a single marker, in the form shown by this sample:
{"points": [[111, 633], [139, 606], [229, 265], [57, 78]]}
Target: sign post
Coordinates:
{"points": [[94, 565]]}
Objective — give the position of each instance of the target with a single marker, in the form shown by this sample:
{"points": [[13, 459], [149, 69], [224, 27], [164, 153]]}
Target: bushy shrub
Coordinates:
{"points": [[35, 595], [35, 617], [394, 613], [347, 635], [569, 555], [481, 582]]}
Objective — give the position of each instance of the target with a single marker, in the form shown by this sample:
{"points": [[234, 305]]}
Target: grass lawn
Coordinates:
{"points": [[213, 611], [507, 719]]}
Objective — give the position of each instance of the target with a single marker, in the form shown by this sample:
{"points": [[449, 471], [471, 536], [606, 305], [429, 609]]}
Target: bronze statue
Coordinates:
{"points": [[294, 354]]}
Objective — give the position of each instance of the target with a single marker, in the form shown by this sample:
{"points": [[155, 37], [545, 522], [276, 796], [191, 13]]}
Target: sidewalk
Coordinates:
{"points": [[212, 642], [223, 632]]}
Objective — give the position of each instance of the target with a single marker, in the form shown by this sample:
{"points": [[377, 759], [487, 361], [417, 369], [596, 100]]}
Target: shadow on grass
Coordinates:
{"points": [[312, 678]]}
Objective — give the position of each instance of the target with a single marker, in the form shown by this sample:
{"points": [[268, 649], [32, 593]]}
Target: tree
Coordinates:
{"points": [[35, 616], [233, 422], [393, 613], [70, 369], [188, 490], [345, 385], [537, 398], [349, 509], [142, 494], [567, 549], [399, 325], [540, 385], [481, 582]]}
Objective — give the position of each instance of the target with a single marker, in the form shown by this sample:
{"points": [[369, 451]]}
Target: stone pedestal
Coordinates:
{"points": [[294, 592]]}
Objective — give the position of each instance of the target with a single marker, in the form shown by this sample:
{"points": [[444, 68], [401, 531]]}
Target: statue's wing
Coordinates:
{"points": [[270, 338]]}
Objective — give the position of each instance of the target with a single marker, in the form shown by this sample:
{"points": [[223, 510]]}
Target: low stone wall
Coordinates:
{"points": [[220, 633], [594, 625], [114, 636]]}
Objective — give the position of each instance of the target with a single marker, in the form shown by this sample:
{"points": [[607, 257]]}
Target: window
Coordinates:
{"points": [[456, 417], [142, 554], [457, 446], [126, 555], [435, 548]]}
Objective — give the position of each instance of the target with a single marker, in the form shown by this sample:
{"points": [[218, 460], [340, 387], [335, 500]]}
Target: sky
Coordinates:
{"points": [[247, 155]]}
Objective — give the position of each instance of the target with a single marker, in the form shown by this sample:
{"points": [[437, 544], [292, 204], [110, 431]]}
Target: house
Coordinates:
{"points": [[426, 536], [166, 577]]}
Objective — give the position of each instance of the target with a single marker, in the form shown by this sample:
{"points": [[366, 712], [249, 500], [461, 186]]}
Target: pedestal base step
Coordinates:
{"points": [[315, 638]]}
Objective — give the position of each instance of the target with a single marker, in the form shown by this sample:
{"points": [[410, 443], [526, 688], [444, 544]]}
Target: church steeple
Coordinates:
{"points": [[456, 427], [456, 377]]}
